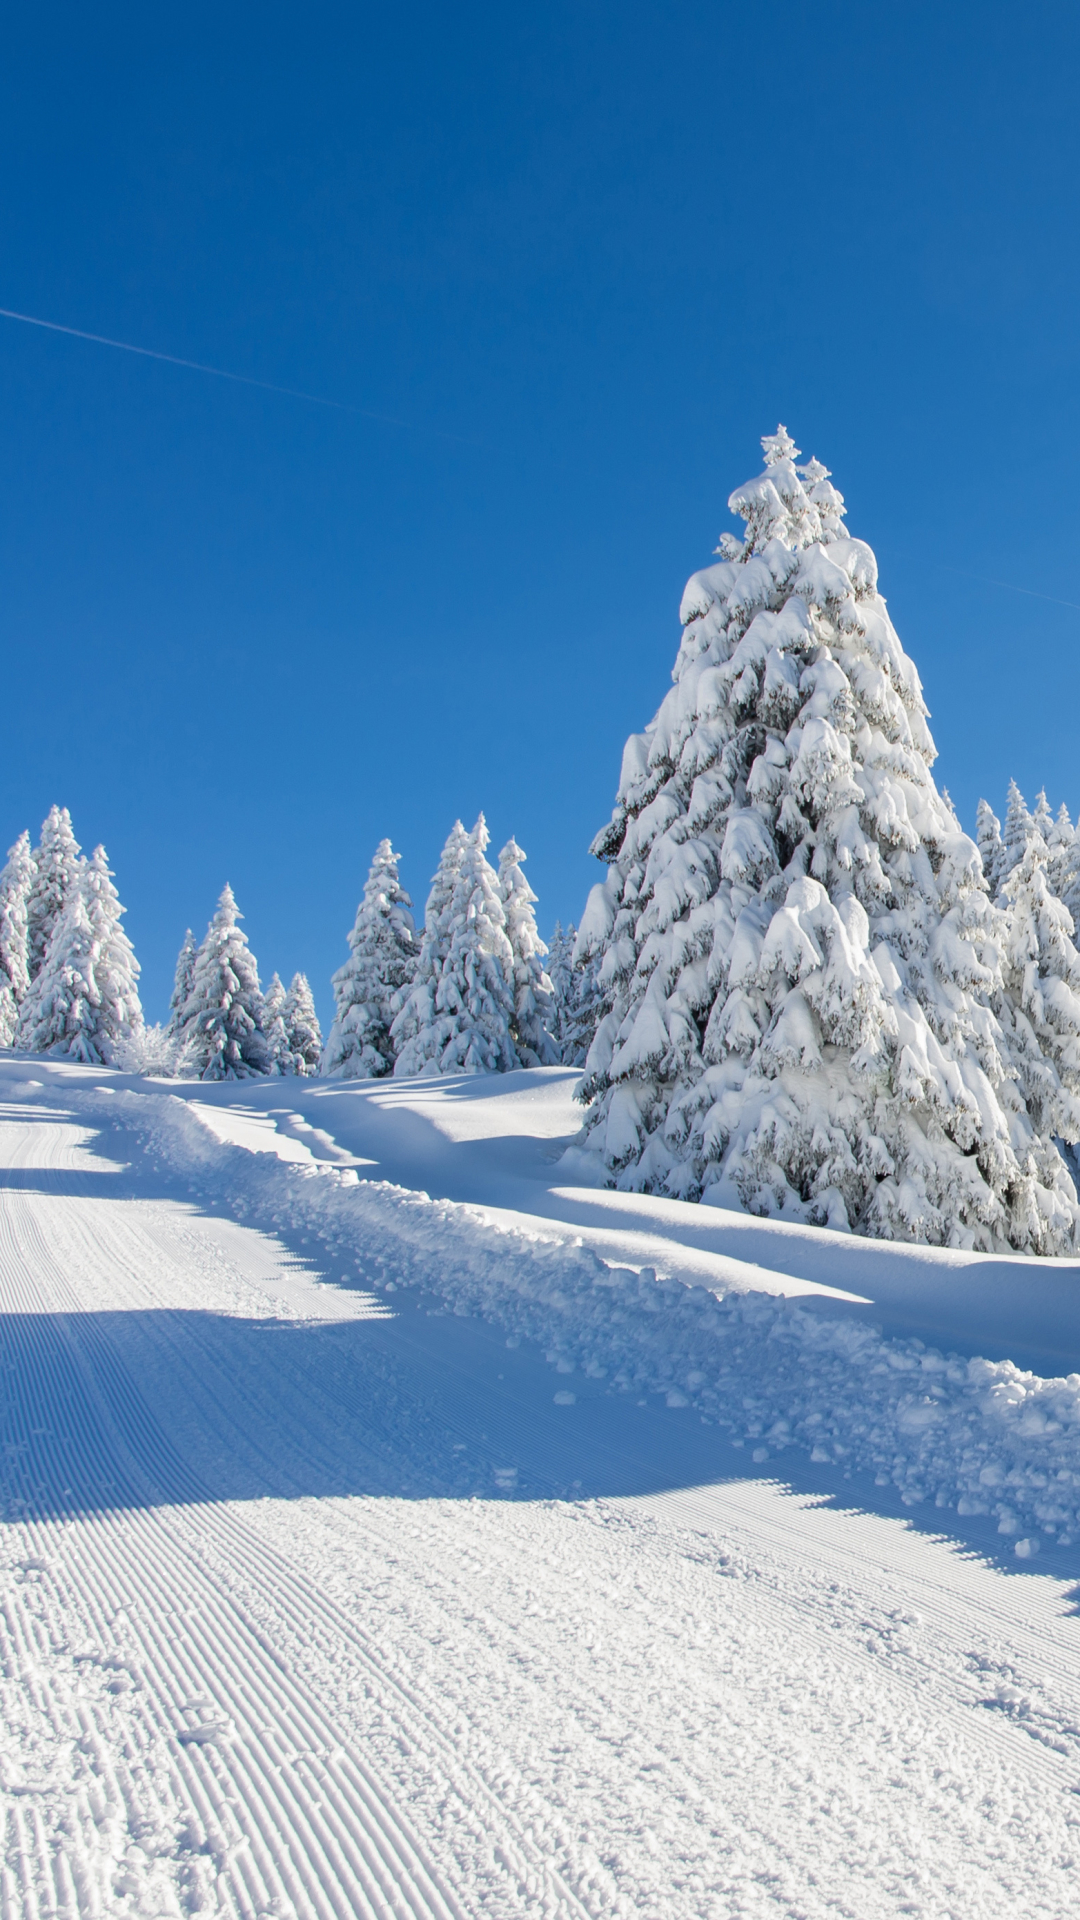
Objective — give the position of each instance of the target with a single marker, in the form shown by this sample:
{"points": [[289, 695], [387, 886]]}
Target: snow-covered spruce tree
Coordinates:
{"points": [[578, 1003], [471, 1030], [414, 1019], [222, 1033], [798, 950], [1042, 819], [302, 1033], [56, 864], [15, 883], [534, 999], [382, 963], [1063, 864], [84, 1003], [1042, 994], [560, 971], [584, 1013], [991, 845], [1018, 829], [273, 1024], [183, 980]]}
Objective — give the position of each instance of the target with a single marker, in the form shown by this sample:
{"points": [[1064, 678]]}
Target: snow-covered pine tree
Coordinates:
{"points": [[1042, 819], [383, 956], [990, 844], [277, 1039], [1062, 853], [305, 1041], [798, 950], [183, 980], [473, 1010], [578, 1001], [1018, 828], [84, 1003], [585, 1012], [222, 1033], [414, 1019], [534, 999], [1042, 988], [560, 970], [56, 865], [16, 881], [116, 970]]}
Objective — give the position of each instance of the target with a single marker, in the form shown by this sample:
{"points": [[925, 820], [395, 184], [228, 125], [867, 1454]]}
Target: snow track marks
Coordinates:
{"points": [[162, 1753]]}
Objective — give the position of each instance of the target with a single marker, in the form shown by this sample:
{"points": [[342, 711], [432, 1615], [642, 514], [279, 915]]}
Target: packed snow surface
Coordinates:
{"points": [[394, 1525]]}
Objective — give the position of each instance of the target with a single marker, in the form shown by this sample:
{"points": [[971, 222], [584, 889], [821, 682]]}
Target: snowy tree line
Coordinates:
{"points": [[468, 994], [69, 979], [820, 998]]}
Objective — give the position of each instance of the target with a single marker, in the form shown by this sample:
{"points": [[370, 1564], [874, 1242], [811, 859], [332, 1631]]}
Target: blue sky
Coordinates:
{"points": [[587, 254]]}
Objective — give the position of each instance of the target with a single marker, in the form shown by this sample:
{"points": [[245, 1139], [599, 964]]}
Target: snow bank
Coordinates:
{"points": [[983, 1437]]}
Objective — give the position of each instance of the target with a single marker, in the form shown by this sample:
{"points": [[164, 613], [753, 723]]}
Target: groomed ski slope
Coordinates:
{"points": [[395, 1527]]}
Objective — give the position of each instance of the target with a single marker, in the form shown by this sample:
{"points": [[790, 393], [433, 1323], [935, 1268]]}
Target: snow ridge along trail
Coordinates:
{"points": [[320, 1599]]}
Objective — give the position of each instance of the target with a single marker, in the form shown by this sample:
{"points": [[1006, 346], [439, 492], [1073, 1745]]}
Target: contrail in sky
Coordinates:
{"points": [[197, 366], [1031, 592]]}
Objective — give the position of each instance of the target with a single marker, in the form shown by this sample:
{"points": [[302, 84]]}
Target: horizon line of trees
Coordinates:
{"points": [[468, 993]]}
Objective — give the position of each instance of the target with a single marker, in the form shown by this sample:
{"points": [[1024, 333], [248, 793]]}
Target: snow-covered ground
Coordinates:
{"points": [[394, 1526]]}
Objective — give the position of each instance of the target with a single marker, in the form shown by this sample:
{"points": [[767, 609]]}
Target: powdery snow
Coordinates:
{"points": [[377, 1550]]}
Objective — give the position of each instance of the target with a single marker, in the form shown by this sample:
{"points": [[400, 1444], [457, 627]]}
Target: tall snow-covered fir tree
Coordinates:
{"points": [[799, 956], [991, 846], [1042, 989], [16, 881], [222, 1032], [273, 1024], [183, 980], [534, 999], [56, 866], [383, 956], [414, 1019], [302, 1033], [577, 996], [472, 1008], [1018, 829], [84, 1003]]}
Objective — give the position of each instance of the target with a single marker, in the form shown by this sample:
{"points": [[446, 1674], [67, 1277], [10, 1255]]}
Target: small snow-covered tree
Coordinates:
{"points": [[799, 957], [1018, 828], [222, 1033], [578, 1000], [1062, 851], [560, 969], [1042, 819], [116, 969], [414, 1018], [56, 865], [1042, 987], [473, 1012], [183, 980], [84, 1003], [303, 1037], [534, 999], [586, 1012], [383, 956], [16, 881], [277, 1040], [990, 844]]}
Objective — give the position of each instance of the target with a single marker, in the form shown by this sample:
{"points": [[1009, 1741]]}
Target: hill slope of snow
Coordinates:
{"points": [[394, 1527]]}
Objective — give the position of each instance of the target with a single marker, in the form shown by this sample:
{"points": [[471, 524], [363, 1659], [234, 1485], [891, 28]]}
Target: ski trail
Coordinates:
{"points": [[184, 1760]]}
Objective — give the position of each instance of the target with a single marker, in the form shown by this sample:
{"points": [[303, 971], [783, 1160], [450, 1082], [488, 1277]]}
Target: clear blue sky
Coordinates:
{"points": [[588, 254]]}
